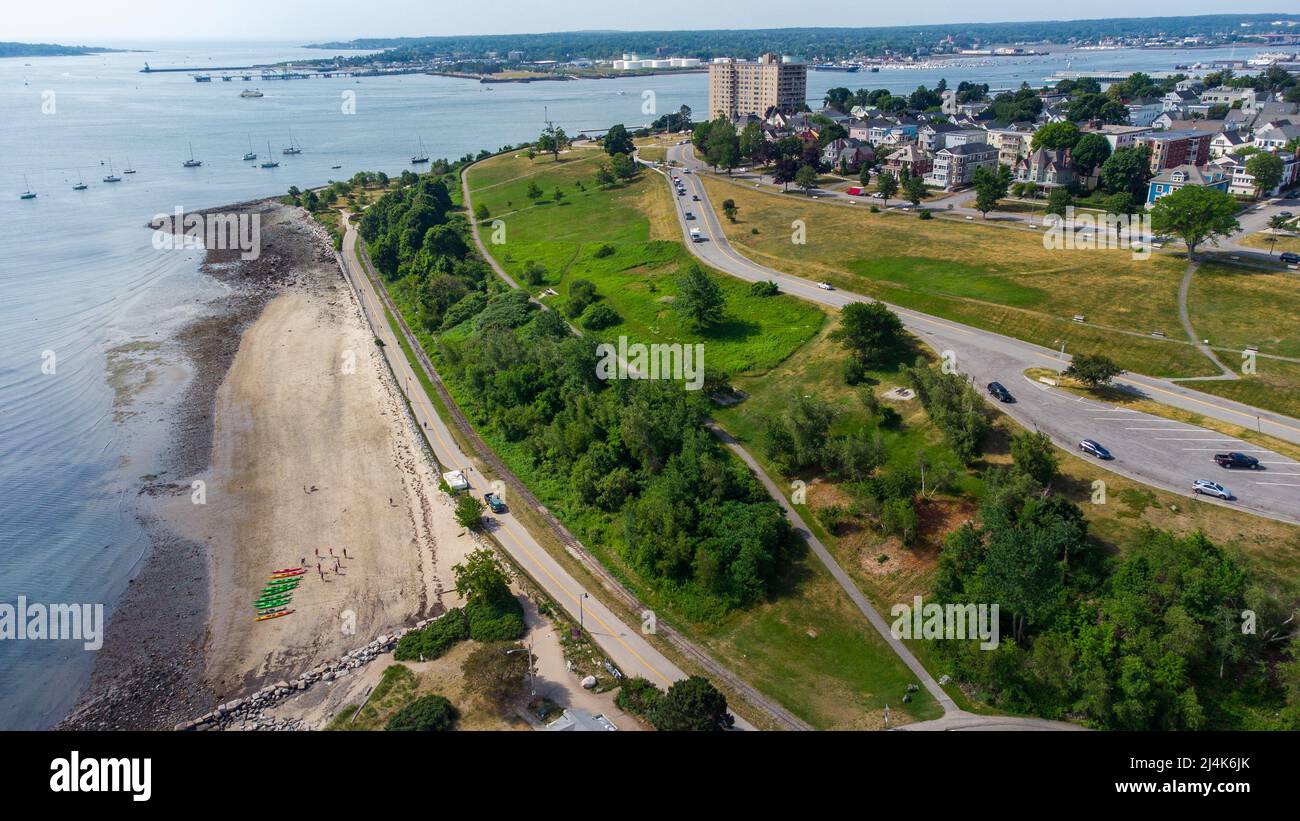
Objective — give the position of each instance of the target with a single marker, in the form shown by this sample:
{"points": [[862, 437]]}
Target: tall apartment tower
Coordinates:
{"points": [[740, 87]]}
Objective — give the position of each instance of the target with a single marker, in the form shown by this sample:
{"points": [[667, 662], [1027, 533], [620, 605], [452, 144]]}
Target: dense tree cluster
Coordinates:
{"points": [[413, 235], [1150, 640], [632, 457], [954, 407]]}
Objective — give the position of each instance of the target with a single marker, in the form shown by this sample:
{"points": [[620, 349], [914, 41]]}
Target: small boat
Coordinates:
{"points": [[274, 615], [128, 169], [111, 176], [270, 161], [289, 570], [422, 156], [335, 167], [282, 573], [293, 148], [81, 185], [29, 194], [249, 155], [191, 162], [253, 93]]}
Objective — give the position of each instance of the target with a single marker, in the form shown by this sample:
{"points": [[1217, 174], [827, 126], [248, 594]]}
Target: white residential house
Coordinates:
{"points": [[1123, 136], [1178, 100], [1225, 95], [1275, 135], [954, 167], [1012, 145], [965, 137], [1226, 143], [1144, 110], [1243, 184]]}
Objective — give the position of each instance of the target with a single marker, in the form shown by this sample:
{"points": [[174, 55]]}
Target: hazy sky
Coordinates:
{"points": [[97, 21]]}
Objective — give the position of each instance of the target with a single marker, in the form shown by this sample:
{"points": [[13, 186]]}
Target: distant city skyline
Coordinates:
{"points": [[87, 22]]}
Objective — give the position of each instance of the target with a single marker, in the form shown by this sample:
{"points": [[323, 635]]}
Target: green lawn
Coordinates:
{"points": [[1235, 307], [638, 276]]}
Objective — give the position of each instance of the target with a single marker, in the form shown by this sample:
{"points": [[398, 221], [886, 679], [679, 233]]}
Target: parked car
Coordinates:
{"points": [[1289, 258], [1236, 460], [494, 502], [695, 197], [825, 286], [1285, 214], [689, 215], [681, 192], [1093, 448], [1000, 393], [1208, 488]]}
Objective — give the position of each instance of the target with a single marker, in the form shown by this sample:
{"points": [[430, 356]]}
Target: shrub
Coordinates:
{"points": [[582, 292], [833, 517], [469, 512], [435, 639], [764, 288], [425, 714], [604, 250], [925, 215], [468, 307], [535, 273], [600, 316], [497, 618], [637, 696]]}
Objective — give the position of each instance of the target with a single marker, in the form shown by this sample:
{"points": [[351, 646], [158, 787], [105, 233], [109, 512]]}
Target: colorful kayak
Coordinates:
{"points": [[262, 604], [290, 570], [274, 615], [287, 574]]}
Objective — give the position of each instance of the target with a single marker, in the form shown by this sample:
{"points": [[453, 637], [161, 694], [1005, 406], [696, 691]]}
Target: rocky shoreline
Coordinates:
{"points": [[150, 673]]}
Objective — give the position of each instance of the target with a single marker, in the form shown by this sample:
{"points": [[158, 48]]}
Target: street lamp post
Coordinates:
{"points": [[580, 624]]}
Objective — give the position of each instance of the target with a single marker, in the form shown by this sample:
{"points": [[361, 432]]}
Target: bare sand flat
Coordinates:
{"points": [[312, 456]]}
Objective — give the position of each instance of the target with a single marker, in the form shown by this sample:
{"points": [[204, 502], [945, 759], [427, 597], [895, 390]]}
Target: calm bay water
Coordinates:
{"points": [[79, 276]]}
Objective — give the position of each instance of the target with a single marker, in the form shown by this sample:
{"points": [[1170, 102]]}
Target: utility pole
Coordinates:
{"points": [[580, 598]]}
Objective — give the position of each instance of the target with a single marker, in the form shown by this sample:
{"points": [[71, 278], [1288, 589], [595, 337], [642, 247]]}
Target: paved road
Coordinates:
{"points": [[623, 645], [1150, 449]]}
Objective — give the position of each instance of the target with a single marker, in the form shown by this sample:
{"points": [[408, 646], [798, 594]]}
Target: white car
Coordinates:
{"points": [[825, 286], [1205, 486]]}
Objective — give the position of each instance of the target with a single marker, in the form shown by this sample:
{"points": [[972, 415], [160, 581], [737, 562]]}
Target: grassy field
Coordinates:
{"points": [[995, 278], [636, 276], [1236, 307], [1260, 239]]}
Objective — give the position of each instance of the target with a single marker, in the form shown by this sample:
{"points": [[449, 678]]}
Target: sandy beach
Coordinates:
{"points": [[304, 450]]}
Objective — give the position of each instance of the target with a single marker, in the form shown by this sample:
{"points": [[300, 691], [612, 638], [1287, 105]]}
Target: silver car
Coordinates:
{"points": [[1208, 488]]}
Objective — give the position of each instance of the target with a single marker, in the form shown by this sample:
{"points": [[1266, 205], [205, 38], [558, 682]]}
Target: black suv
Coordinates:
{"points": [[1000, 393], [1289, 258]]}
